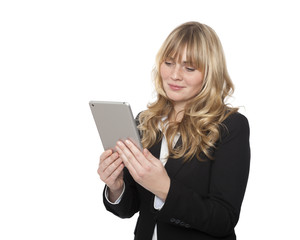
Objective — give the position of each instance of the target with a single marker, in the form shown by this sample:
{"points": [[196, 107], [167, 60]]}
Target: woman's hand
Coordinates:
{"points": [[111, 173], [145, 169]]}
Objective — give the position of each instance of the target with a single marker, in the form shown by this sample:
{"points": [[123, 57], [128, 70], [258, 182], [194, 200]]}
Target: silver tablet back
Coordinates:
{"points": [[114, 121]]}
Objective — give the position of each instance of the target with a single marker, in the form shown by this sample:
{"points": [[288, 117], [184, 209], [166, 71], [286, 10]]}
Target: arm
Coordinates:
{"points": [[129, 202], [115, 199], [218, 212], [119, 185]]}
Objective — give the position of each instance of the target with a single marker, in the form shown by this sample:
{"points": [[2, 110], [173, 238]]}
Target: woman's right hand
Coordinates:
{"points": [[111, 173]]}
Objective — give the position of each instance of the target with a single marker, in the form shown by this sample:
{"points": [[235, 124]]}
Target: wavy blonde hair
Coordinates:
{"points": [[203, 115]]}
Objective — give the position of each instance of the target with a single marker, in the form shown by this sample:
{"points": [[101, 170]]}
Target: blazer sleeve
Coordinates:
{"points": [[216, 213], [129, 203]]}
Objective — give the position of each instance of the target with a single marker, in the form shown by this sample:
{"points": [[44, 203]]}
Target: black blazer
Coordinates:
{"points": [[205, 197]]}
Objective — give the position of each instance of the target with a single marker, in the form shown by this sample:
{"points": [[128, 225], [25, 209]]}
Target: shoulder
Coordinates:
{"points": [[235, 124], [235, 120]]}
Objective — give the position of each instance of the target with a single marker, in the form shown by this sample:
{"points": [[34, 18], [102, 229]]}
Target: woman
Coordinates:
{"points": [[189, 181]]}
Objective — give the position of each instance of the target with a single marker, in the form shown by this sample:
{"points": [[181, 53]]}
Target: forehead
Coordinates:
{"points": [[185, 56], [178, 56]]}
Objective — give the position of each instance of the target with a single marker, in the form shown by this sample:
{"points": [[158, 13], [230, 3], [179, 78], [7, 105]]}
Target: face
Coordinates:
{"points": [[181, 81]]}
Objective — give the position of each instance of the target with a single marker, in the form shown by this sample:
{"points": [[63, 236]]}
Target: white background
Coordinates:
{"points": [[57, 55]]}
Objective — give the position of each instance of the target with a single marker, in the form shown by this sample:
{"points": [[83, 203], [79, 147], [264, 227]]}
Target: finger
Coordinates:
{"points": [[148, 155], [110, 169], [113, 166], [127, 163], [130, 156], [138, 166], [138, 154], [105, 154], [112, 178], [105, 163], [121, 151], [108, 161]]}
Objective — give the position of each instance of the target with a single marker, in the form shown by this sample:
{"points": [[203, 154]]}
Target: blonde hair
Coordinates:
{"points": [[203, 115]]}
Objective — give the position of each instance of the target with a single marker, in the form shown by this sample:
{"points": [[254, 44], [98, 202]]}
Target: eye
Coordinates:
{"points": [[169, 62], [190, 69]]}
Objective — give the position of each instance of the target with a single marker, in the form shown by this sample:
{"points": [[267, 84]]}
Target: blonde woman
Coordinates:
{"points": [[190, 179]]}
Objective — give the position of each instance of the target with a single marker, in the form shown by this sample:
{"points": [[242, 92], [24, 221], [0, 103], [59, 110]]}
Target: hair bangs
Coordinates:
{"points": [[189, 40]]}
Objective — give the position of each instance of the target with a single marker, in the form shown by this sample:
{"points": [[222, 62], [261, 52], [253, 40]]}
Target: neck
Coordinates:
{"points": [[177, 114]]}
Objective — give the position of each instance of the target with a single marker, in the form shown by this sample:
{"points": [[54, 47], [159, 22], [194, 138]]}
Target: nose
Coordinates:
{"points": [[176, 73]]}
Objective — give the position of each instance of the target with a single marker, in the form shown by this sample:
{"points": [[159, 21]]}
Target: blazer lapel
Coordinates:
{"points": [[174, 165], [155, 149]]}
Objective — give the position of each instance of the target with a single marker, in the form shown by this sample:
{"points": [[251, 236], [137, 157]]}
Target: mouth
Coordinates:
{"points": [[175, 87]]}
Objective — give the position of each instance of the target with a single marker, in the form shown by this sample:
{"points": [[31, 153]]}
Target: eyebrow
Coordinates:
{"points": [[187, 63]]}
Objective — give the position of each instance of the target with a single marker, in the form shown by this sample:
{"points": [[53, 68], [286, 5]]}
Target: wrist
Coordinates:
{"points": [[163, 192], [114, 194]]}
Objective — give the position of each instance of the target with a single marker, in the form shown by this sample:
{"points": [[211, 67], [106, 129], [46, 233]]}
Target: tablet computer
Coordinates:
{"points": [[114, 121]]}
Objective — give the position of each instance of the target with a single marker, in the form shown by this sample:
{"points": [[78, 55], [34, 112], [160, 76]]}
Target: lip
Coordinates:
{"points": [[175, 87]]}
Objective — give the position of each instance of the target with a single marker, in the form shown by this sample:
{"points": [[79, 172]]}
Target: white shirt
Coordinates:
{"points": [[163, 157]]}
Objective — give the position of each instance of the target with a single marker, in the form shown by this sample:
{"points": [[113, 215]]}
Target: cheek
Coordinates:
{"points": [[164, 72], [163, 76], [199, 85], [196, 83]]}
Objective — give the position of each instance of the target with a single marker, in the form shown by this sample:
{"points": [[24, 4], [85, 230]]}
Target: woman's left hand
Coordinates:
{"points": [[145, 169]]}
